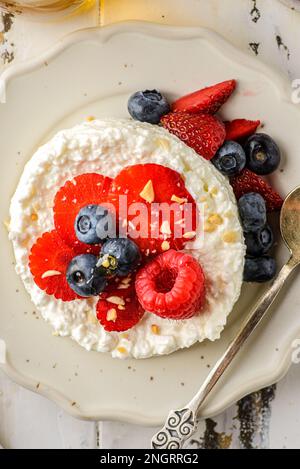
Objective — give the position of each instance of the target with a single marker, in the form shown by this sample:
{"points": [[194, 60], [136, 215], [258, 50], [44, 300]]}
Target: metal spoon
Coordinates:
{"points": [[181, 424]]}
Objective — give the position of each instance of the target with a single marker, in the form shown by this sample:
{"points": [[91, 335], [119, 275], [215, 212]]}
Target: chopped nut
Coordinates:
{"points": [[34, 217], [214, 191], [6, 223], [179, 200], [91, 318], [205, 187], [155, 329], [116, 300], [230, 237], [189, 235], [111, 315], [90, 118], [105, 264], [209, 228], [162, 142], [203, 198], [215, 219], [50, 273], [122, 350], [229, 214], [148, 192], [125, 336], [165, 228], [165, 245]]}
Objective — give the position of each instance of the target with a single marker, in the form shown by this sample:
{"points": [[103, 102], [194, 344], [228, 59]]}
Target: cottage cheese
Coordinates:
{"points": [[107, 146]]}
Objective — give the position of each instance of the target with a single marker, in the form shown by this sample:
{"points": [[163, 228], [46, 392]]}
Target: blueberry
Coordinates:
{"points": [[84, 277], [259, 269], [253, 212], [230, 159], [148, 106], [120, 256], [259, 242], [94, 224], [263, 154]]}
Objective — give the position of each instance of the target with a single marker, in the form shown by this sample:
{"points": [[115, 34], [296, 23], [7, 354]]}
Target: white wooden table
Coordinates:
{"points": [[267, 419]]}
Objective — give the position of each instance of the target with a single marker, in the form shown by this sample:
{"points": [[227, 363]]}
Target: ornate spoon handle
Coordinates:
{"points": [[181, 424]]}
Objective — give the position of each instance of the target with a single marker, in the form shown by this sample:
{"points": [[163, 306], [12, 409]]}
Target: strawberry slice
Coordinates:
{"points": [[208, 100], [83, 190], [247, 181], [48, 262], [202, 132], [154, 228], [118, 308], [240, 129]]}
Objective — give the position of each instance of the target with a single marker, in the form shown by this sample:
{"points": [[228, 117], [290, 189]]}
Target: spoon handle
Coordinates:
{"points": [[181, 424]]}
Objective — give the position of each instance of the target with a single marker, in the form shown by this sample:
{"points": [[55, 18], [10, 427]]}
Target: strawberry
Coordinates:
{"points": [[240, 129], [208, 100], [247, 181], [202, 132], [118, 308], [154, 228], [48, 262], [171, 286], [75, 194]]}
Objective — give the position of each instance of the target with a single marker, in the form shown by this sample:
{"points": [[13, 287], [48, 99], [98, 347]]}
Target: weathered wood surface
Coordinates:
{"points": [[267, 419]]}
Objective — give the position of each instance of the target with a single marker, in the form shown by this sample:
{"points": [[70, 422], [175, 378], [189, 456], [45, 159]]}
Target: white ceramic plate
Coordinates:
{"points": [[92, 73]]}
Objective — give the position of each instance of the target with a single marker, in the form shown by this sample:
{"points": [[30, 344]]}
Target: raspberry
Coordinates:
{"points": [[118, 308], [150, 184], [86, 189], [48, 262], [171, 286]]}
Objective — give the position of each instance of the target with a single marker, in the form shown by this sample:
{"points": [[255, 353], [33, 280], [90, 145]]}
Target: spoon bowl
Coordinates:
{"points": [[290, 223]]}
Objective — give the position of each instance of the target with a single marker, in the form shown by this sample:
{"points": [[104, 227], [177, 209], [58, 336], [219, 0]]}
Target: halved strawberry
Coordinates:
{"points": [[208, 100], [48, 262], [247, 181], [90, 188], [161, 214], [202, 132], [240, 129], [118, 308]]}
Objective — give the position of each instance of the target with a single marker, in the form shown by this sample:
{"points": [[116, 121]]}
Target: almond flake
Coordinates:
{"points": [[165, 228], [209, 228], [122, 286], [155, 329], [165, 245], [163, 143], [230, 237], [215, 219], [214, 191], [179, 200], [50, 273], [6, 223], [91, 318], [116, 300], [111, 315], [121, 307], [189, 235], [148, 192]]}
